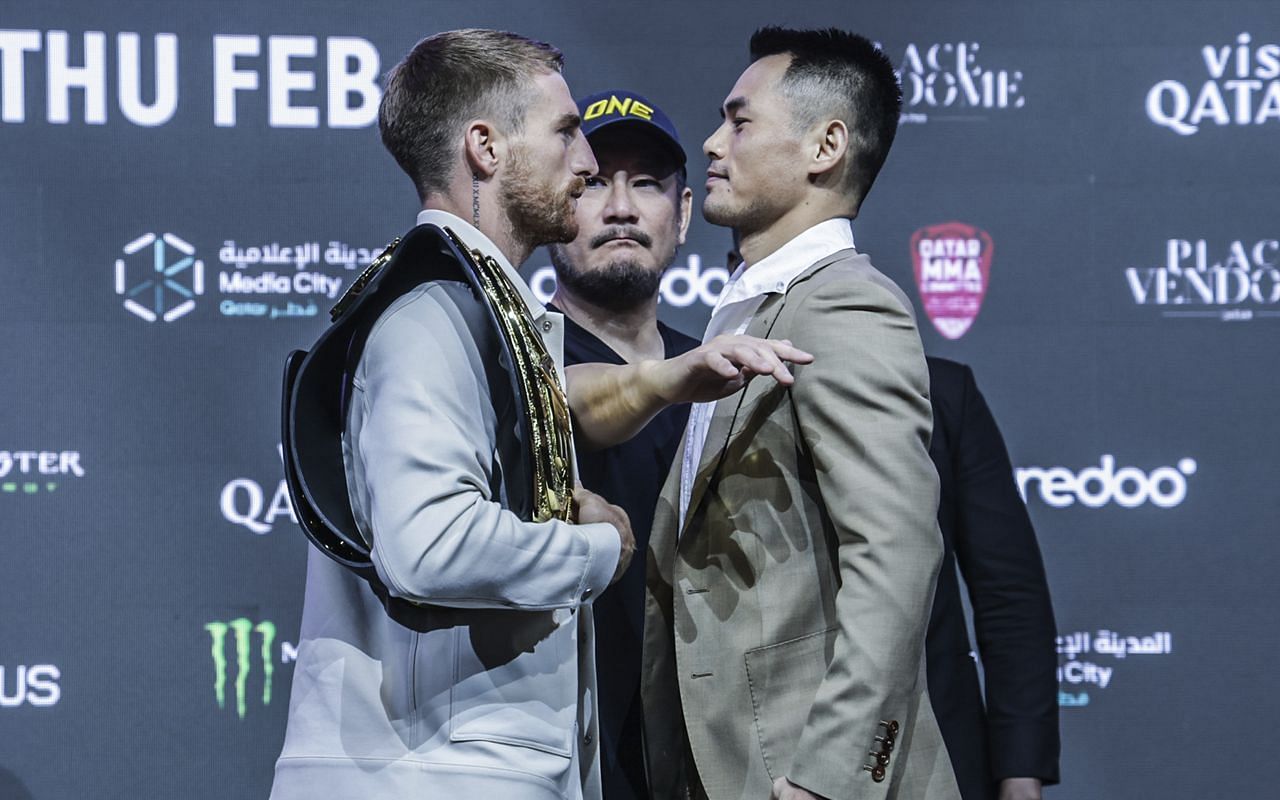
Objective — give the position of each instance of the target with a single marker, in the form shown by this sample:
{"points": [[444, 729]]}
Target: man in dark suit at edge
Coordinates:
{"points": [[1006, 747]]}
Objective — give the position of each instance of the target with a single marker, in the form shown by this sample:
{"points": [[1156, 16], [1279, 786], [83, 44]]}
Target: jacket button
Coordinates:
{"points": [[877, 774], [546, 325]]}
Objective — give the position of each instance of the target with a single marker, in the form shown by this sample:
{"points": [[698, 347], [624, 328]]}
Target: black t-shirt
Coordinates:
{"points": [[629, 475]]}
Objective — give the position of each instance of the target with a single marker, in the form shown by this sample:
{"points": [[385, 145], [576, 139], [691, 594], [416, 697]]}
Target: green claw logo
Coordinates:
{"points": [[242, 631]]}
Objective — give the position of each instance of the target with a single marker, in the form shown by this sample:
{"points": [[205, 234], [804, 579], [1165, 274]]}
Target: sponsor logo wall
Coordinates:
{"points": [[1080, 203]]}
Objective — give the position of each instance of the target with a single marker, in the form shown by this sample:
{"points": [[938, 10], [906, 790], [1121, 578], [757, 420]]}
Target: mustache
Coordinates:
{"points": [[621, 232], [577, 186]]}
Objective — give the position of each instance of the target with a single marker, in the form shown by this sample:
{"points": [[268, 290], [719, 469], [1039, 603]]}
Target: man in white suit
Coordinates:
{"points": [[464, 668]]}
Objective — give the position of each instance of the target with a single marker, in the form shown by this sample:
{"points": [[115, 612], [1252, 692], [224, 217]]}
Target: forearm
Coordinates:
{"points": [[611, 403], [468, 552]]}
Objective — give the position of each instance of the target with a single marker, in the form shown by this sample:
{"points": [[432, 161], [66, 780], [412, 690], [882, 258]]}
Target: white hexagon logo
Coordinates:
{"points": [[152, 286]]}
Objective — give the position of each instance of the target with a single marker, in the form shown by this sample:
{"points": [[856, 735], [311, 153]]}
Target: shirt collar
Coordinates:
{"points": [[776, 272], [472, 237]]}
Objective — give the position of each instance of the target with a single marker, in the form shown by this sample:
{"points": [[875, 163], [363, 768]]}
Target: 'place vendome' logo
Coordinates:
{"points": [[945, 81], [953, 268]]}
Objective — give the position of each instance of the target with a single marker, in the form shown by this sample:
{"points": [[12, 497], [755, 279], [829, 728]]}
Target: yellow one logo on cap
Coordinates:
{"points": [[624, 107]]}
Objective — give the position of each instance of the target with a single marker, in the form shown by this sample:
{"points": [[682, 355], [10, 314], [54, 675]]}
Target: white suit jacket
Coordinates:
{"points": [[490, 691]]}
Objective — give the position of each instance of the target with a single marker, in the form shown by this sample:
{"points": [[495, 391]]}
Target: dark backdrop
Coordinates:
{"points": [[1082, 199]]}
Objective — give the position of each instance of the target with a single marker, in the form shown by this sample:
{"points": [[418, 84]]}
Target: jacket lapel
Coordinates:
{"points": [[666, 521], [726, 412]]}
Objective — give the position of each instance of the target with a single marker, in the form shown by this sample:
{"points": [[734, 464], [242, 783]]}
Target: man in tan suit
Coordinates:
{"points": [[796, 548]]}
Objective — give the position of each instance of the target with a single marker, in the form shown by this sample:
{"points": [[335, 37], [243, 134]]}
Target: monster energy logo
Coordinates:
{"points": [[242, 630]]}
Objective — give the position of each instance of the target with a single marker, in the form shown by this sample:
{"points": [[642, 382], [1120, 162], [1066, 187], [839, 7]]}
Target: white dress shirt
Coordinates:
{"points": [[746, 290]]}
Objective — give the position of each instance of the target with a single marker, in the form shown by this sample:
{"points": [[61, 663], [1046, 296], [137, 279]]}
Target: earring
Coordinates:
{"points": [[475, 200]]}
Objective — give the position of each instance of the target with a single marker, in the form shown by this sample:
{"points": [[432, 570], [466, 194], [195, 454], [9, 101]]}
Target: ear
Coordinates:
{"points": [[829, 149], [482, 145], [686, 211]]}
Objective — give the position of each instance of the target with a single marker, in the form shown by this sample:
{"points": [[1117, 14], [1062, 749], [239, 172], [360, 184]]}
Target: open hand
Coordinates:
{"points": [[724, 365]]}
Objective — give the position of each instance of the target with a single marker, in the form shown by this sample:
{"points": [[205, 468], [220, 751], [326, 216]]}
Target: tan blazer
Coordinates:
{"points": [[787, 619]]}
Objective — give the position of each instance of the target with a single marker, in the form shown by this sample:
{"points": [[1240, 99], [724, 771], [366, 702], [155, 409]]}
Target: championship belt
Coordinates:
{"points": [[545, 406], [534, 450]]}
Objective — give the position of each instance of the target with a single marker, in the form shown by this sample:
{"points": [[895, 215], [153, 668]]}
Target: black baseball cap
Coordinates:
{"points": [[618, 107]]}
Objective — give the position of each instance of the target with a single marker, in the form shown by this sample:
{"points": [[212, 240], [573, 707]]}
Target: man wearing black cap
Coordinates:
{"points": [[631, 219]]}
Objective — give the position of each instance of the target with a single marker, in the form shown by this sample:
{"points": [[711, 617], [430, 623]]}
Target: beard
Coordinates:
{"points": [[619, 285], [539, 213]]}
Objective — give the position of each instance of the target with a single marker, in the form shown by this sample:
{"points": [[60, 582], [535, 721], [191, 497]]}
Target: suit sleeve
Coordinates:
{"points": [[426, 448], [1013, 617], [863, 411]]}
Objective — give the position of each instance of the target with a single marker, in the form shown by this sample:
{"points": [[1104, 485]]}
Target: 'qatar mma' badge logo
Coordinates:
{"points": [[953, 266]]}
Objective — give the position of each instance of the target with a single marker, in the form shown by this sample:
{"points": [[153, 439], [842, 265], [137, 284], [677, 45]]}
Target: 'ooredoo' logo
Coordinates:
{"points": [[952, 267], [1095, 487]]}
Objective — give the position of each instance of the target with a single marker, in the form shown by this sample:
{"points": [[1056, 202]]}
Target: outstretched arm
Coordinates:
{"points": [[611, 403]]}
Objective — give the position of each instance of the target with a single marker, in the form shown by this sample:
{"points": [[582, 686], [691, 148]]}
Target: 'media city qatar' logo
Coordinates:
{"points": [[159, 277], [952, 267]]}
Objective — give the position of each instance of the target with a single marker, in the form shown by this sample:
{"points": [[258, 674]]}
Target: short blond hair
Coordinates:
{"points": [[449, 79]]}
